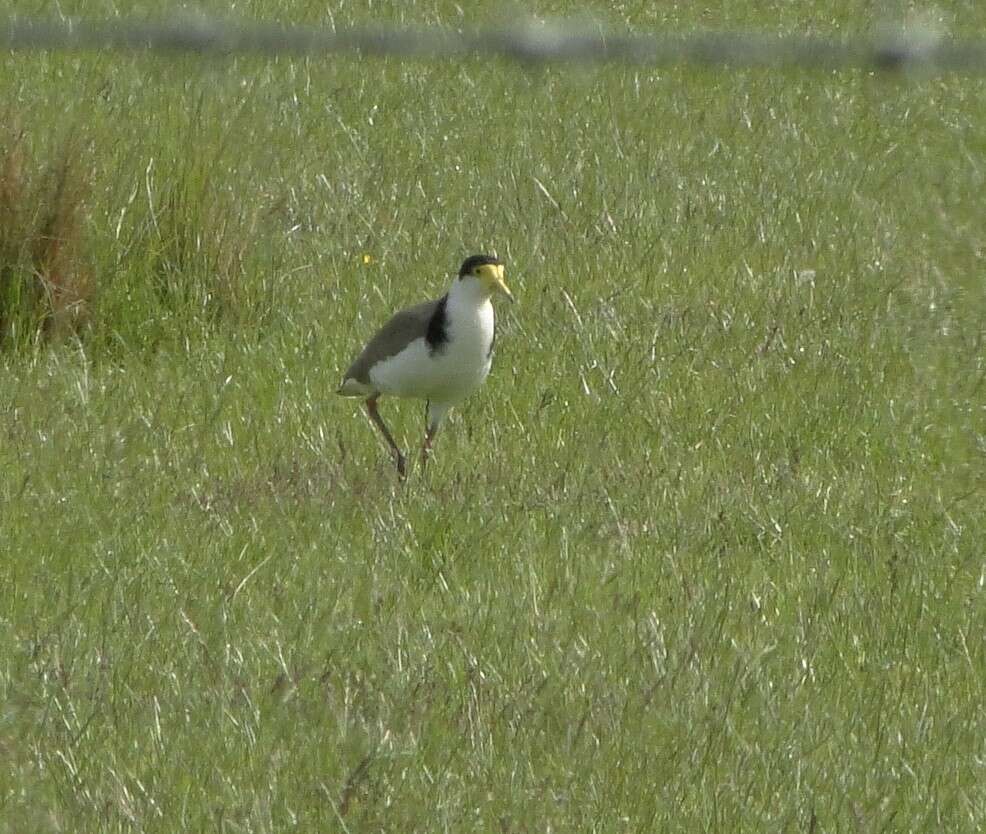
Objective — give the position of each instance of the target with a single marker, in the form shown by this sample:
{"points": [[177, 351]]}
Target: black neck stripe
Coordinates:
{"points": [[436, 336]]}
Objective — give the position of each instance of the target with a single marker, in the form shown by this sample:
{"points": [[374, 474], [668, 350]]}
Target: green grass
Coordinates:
{"points": [[705, 554]]}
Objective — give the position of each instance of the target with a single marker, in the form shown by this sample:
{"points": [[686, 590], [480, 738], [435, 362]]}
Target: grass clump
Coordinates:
{"points": [[179, 255], [46, 279]]}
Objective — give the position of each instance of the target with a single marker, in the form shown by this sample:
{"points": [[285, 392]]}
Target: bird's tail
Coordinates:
{"points": [[354, 388]]}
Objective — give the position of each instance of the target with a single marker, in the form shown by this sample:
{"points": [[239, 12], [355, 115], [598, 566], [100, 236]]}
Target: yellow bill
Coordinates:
{"points": [[499, 282]]}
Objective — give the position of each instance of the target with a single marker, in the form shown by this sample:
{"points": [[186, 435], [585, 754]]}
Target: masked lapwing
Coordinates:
{"points": [[439, 351]]}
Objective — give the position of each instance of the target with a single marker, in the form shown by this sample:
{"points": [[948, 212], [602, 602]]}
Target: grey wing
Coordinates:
{"points": [[392, 338]]}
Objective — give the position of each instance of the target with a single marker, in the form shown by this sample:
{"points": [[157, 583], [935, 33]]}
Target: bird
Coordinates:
{"points": [[439, 351]]}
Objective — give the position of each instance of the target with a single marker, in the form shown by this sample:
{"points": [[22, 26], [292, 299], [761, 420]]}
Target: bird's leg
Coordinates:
{"points": [[371, 409], [434, 414]]}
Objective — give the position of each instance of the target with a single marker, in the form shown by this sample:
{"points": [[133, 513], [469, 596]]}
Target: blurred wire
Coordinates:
{"points": [[898, 50]]}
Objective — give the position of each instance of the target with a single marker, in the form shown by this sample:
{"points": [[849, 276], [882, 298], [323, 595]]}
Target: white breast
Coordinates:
{"points": [[451, 373]]}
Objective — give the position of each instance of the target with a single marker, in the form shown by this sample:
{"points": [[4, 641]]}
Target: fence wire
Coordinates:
{"points": [[892, 50]]}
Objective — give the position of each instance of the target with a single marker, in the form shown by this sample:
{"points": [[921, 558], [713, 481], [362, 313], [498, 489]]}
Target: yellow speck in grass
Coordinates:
{"points": [[368, 259]]}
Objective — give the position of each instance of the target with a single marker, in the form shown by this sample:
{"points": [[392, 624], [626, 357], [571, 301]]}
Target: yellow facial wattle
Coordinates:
{"points": [[492, 276]]}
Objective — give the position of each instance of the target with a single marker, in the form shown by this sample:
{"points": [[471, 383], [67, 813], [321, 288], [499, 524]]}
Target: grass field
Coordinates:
{"points": [[705, 553]]}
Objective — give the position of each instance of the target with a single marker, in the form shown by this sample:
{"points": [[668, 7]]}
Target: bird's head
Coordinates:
{"points": [[488, 270]]}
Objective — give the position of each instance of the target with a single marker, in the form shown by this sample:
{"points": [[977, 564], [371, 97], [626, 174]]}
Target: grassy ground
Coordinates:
{"points": [[705, 554]]}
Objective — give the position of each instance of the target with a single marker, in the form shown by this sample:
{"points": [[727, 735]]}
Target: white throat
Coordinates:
{"points": [[468, 292], [470, 320]]}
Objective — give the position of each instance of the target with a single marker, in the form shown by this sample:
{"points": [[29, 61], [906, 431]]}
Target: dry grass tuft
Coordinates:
{"points": [[46, 283]]}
